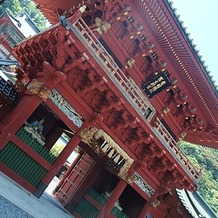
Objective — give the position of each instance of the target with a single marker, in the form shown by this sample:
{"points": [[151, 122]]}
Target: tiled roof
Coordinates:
{"points": [[195, 204], [23, 23], [8, 62]]}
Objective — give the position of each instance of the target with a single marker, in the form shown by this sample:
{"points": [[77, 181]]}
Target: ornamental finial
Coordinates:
{"points": [[82, 9]]}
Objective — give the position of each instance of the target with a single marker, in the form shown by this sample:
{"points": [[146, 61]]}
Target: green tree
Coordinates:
{"points": [[14, 7], [34, 13], [206, 158], [57, 149]]}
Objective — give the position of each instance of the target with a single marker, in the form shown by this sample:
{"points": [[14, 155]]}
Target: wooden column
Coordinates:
{"points": [[145, 210], [13, 121], [75, 140], [52, 137], [105, 211]]}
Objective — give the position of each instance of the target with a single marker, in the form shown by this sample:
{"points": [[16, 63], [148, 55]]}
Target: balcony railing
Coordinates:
{"points": [[172, 146], [130, 91]]}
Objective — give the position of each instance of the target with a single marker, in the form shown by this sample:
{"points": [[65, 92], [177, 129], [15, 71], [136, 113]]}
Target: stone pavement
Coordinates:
{"points": [[17, 202]]}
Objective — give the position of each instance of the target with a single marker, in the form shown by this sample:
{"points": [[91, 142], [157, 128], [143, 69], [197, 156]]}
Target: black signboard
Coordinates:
{"points": [[156, 85]]}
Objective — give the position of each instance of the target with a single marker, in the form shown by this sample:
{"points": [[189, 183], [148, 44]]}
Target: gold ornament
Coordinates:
{"points": [[91, 136], [154, 202], [38, 88]]}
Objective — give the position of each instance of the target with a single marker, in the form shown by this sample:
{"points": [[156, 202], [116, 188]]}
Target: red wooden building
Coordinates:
{"points": [[124, 82], [13, 30]]}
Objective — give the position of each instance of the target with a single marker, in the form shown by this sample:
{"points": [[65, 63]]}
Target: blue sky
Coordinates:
{"points": [[201, 19]]}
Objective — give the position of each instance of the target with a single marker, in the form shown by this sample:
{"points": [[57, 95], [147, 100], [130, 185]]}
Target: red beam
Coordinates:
{"points": [[28, 150], [13, 121], [61, 115]]}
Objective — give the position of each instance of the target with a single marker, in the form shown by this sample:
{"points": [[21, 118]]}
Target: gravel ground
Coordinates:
{"points": [[10, 210]]}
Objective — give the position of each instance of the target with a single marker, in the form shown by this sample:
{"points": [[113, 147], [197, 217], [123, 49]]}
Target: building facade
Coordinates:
{"points": [[14, 30], [123, 81]]}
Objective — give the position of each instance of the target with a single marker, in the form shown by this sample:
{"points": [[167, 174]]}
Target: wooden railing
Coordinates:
{"points": [[172, 146]]}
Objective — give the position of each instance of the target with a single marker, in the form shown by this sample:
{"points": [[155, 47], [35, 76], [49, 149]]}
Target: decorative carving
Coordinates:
{"points": [[44, 93], [143, 185], [101, 25], [109, 148], [130, 62], [124, 171], [182, 135], [38, 88], [166, 110], [35, 86], [19, 86], [87, 135], [66, 108], [130, 179], [154, 202], [124, 157]]}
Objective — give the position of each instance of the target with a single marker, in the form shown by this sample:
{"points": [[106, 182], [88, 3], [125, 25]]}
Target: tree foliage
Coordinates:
{"points": [[57, 149], [15, 7], [206, 158], [11, 6]]}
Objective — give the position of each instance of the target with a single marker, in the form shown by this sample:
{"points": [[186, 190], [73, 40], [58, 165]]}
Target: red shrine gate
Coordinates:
{"points": [[71, 77]]}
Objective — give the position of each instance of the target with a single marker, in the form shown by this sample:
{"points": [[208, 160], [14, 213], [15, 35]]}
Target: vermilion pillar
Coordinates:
{"points": [[13, 121], [145, 210], [105, 211], [53, 136], [75, 140]]}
